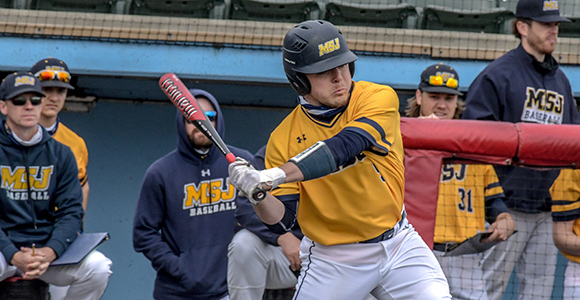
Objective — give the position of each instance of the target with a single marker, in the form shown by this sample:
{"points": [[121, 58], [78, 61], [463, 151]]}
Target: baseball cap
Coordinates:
{"points": [[18, 83], [440, 78], [52, 72], [539, 10]]}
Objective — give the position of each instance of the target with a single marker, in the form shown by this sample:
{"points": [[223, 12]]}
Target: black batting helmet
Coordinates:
{"points": [[311, 47]]}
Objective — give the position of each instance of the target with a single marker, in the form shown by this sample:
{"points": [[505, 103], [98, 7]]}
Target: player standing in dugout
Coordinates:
{"points": [[469, 194], [336, 163]]}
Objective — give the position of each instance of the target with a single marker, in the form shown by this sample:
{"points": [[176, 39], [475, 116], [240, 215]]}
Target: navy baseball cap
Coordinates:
{"points": [[440, 78], [540, 11], [52, 72], [18, 83]]}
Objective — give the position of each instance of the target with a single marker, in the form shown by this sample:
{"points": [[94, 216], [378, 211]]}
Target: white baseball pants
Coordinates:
{"points": [[254, 265], [533, 253], [87, 280], [572, 281], [402, 267], [464, 275]]}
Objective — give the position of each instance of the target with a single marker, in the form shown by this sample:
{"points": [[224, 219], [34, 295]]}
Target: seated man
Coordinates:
{"points": [[41, 198]]}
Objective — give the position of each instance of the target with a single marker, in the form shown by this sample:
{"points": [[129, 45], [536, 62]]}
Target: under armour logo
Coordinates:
{"points": [[205, 173], [300, 139]]}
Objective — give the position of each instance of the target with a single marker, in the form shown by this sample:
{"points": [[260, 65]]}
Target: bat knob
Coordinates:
{"points": [[230, 157], [259, 194]]}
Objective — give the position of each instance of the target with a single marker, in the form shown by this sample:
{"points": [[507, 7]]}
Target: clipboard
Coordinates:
{"points": [[473, 245], [80, 248]]}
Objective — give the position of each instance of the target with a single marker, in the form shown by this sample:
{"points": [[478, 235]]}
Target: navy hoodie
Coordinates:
{"points": [[47, 208], [185, 220], [517, 88]]}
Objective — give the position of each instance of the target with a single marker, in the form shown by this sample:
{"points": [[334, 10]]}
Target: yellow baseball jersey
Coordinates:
{"points": [[565, 193], [364, 197], [463, 190], [66, 136]]}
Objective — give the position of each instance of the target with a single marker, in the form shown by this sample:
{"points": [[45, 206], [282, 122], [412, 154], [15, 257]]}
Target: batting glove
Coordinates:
{"points": [[254, 190], [272, 177], [245, 178], [237, 169]]}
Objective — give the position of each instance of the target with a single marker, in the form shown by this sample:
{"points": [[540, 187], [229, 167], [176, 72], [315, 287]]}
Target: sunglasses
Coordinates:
{"points": [[20, 101], [438, 81], [211, 115], [45, 75]]}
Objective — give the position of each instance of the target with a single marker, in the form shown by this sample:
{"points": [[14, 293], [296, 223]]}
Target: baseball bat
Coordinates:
{"points": [[180, 96], [176, 91]]}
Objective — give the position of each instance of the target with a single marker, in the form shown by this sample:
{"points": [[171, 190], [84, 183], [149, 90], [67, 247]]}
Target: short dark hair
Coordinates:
{"points": [[515, 21]]}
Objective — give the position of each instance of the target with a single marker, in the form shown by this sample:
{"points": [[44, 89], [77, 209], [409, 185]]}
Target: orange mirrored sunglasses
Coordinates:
{"points": [[438, 81], [45, 75]]}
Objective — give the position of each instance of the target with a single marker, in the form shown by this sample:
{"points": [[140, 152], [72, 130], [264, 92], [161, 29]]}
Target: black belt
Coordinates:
{"points": [[387, 234], [445, 247]]}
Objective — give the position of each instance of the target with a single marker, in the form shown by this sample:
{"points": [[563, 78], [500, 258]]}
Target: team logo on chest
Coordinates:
{"points": [[451, 172], [209, 197], [457, 173], [543, 106], [16, 184]]}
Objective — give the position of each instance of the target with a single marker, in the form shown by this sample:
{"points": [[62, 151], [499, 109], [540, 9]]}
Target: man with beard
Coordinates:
{"points": [[184, 219], [525, 85]]}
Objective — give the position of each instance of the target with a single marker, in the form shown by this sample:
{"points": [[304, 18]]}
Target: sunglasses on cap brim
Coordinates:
{"points": [[46, 75], [439, 81]]}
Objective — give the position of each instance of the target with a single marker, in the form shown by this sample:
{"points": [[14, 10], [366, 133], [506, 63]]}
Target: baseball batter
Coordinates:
{"points": [[336, 164]]}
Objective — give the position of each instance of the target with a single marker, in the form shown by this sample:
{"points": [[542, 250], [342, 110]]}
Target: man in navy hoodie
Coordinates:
{"points": [[185, 214], [41, 198]]}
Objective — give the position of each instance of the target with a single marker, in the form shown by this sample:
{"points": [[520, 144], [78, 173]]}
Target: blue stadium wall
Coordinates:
{"points": [[132, 124]]}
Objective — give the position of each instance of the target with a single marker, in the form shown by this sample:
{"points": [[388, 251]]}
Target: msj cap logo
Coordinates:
{"points": [[550, 5], [328, 47], [27, 80], [445, 75]]}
